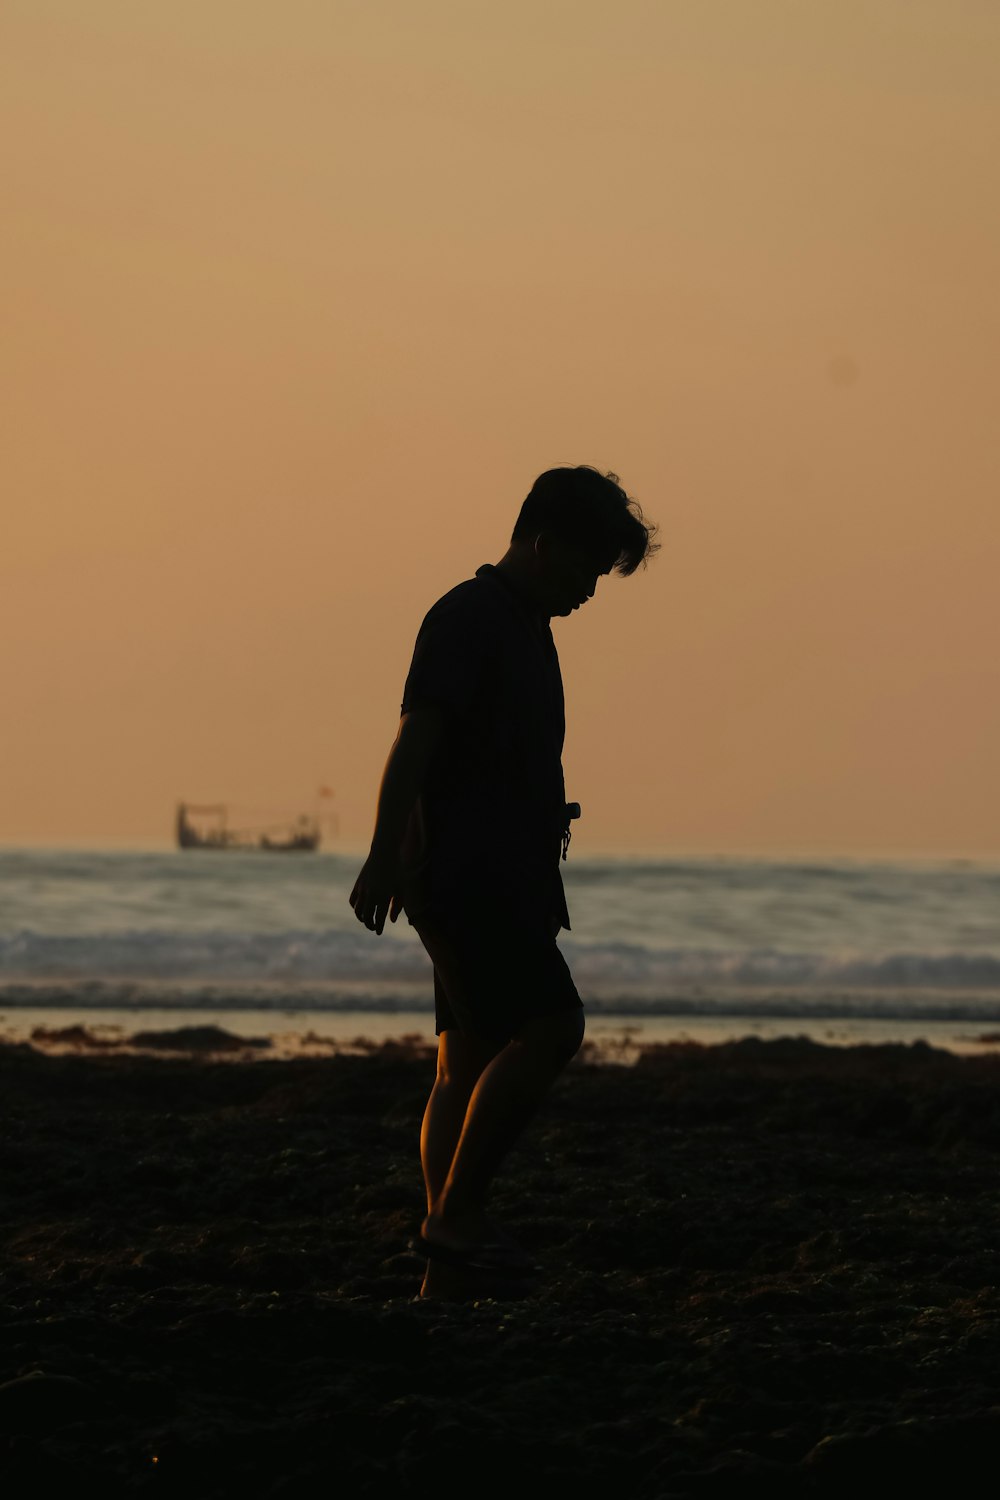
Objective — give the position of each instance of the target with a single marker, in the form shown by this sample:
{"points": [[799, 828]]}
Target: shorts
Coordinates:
{"points": [[491, 978]]}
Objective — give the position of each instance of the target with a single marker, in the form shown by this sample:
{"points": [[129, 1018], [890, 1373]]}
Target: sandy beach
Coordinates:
{"points": [[764, 1263]]}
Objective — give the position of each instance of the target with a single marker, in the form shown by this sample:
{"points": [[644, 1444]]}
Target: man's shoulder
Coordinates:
{"points": [[467, 602], [465, 595]]}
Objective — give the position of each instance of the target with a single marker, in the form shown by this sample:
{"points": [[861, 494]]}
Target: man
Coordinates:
{"points": [[471, 819]]}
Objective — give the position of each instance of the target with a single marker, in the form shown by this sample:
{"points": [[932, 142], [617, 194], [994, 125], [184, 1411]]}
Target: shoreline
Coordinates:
{"points": [[282, 1034]]}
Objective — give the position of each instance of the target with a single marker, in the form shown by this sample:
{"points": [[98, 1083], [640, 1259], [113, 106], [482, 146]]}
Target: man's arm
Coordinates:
{"points": [[376, 890]]}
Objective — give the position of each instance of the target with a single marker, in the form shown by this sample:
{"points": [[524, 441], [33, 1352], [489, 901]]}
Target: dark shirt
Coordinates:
{"points": [[486, 831]]}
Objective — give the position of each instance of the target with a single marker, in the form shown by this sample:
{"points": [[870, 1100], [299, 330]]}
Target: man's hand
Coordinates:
{"points": [[377, 889], [376, 892]]}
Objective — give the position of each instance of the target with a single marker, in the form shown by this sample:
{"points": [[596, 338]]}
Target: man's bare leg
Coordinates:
{"points": [[461, 1060], [505, 1098]]}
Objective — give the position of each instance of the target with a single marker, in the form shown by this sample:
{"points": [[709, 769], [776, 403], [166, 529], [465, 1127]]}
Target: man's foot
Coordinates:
{"points": [[475, 1243], [458, 1284], [455, 1283], [490, 1258]]}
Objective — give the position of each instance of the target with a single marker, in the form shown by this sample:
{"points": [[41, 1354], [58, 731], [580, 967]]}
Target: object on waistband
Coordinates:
{"points": [[572, 811]]}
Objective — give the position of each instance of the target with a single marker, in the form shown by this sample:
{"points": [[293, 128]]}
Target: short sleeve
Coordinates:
{"points": [[448, 659]]}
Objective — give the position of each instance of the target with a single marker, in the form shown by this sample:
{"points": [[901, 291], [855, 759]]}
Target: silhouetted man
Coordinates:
{"points": [[471, 819]]}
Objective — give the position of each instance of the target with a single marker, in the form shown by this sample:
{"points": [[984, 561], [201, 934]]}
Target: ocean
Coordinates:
{"points": [[660, 948]]}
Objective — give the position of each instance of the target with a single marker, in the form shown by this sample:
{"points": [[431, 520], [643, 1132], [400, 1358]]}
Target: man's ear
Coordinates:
{"points": [[543, 546]]}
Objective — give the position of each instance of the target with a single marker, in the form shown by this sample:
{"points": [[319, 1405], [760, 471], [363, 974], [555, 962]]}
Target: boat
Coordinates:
{"points": [[208, 826]]}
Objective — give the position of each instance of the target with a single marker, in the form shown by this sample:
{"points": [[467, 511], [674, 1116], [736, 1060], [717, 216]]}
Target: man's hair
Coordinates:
{"points": [[584, 506]]}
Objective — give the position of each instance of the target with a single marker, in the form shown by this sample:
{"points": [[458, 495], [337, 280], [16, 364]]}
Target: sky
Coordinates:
{"points": [[299, 300]]}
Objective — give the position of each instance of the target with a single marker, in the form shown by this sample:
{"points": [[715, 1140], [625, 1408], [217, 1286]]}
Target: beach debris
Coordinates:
{"points": [[196, 1039], [71, 1036]]}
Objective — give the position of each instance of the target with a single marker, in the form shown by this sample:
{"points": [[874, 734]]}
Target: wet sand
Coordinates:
{"points": [[767, 1267]]}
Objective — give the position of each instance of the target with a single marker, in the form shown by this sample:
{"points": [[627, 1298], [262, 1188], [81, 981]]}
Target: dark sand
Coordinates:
{"points": [[770, 1268]]}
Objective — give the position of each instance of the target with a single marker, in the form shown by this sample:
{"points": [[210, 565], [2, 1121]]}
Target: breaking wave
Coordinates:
{"points": [[356, 970]]}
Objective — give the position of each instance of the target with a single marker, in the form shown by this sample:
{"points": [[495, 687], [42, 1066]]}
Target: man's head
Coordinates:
{"points": [[579, 524]]}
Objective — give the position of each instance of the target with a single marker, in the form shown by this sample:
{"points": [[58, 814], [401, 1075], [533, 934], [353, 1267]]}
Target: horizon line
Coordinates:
{"points": [[784, 854]]}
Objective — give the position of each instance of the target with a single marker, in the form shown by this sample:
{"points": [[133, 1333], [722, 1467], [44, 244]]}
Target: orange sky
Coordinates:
{"points": [[302, 297]]}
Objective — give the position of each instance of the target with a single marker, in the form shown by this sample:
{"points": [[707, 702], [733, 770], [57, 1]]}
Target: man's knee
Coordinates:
{"points": [[462, 1056], [554, 1039]]}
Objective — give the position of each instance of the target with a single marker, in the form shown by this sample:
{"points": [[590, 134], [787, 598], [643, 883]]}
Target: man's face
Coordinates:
{"points": [[569, 573]]}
